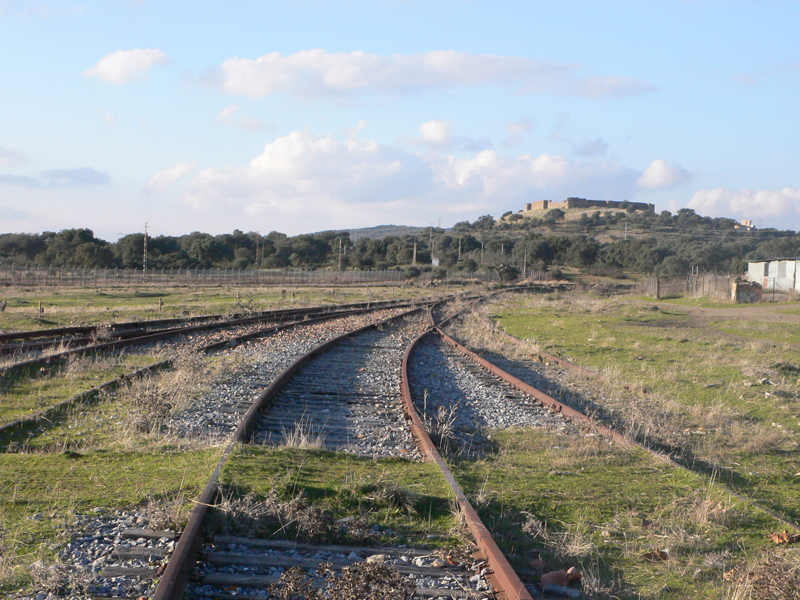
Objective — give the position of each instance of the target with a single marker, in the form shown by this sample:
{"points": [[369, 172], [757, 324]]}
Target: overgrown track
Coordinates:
{"points": [[46, 416], [342, 396], [175, 577], [346, 399], [145, 332]]}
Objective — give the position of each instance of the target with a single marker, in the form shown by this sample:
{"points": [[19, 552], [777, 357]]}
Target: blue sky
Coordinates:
{"points": [[302, 116]]}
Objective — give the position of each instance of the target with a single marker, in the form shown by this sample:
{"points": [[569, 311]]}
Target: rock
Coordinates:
{"points": [[554, 577]]}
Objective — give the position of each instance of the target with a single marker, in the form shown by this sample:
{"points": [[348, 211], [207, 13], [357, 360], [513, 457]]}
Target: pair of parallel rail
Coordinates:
{"points": [[505, 582]]}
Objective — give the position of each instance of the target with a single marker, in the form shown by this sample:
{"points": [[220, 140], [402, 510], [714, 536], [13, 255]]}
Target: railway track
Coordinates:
{"points": [[66, 343], [347, 394], [213, 420], [528, 381]]}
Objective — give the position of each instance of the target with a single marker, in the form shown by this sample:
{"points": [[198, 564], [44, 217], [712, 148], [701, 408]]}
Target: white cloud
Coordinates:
{"points": [[9, 158], [353, 132], [437, 134], [662, 175], [105, 115], [317, 72], [512, 180], [515, 130], [164, 178], [750, 204], [589, 148], [126, 65], [310, 182], [233, 117]]}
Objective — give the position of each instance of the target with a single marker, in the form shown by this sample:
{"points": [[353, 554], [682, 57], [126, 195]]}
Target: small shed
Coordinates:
{"points": [[780, 274]]}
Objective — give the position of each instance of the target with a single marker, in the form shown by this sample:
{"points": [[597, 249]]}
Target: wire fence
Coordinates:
{"points": [[87, 277]]}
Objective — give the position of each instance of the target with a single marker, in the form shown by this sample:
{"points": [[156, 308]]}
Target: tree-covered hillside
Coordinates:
{"points": [[597, 241]]}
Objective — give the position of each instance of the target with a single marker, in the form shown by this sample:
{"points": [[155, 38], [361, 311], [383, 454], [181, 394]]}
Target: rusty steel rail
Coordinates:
{"points": [[503, 578], [545, 399], [33, 419], [149, 337], [175, 577]]}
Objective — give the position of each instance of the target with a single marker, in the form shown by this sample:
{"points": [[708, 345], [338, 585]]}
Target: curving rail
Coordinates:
{"points": [[597, 425], [502, 576], [147, 336], [174, 579], [34, 419]]}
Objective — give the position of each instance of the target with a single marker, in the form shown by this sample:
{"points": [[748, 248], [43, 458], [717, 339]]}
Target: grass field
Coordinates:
{"points": [[719, 382], [68, 307], [605, 509], [22, 394]]}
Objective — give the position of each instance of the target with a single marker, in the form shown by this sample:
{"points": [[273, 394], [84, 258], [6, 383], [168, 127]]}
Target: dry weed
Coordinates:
{"points": [[294, 519], [773, 577], [441, 428], [166, 513], [355, 582], [386, 492], [302, 436]]}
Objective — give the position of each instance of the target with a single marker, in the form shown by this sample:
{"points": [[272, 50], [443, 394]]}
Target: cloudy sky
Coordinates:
{"points": [[299, 116]]}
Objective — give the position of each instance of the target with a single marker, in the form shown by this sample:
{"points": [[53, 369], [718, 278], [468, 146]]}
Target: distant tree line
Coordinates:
{"points": [[662, 243]]}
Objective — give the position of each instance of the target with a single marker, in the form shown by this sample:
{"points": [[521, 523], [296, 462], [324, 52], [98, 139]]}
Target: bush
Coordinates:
{"points": [[412, 272]]}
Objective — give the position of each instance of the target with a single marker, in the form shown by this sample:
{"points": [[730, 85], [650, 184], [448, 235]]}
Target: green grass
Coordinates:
{"points": [[23, 395], [774, 332], [349, 486], [604, 507], [690, 375], [54, 487]]}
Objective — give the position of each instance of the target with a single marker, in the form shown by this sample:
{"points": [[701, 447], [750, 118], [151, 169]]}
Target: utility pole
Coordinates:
{"points": [[414, 257], [481, 251], [459, 248], [626, 231], [340, 255], [144, 263], [525, 265]]}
